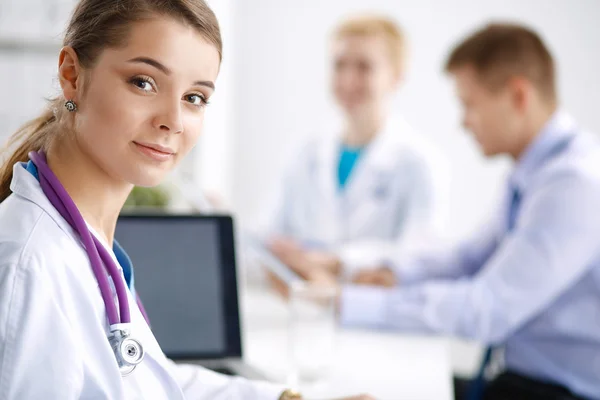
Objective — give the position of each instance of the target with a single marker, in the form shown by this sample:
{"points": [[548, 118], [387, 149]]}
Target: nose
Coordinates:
{"points": [[349, 79], [169, 118]]}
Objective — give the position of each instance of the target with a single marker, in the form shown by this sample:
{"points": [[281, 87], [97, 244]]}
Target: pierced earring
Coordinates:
{"points": [[71, 106]]}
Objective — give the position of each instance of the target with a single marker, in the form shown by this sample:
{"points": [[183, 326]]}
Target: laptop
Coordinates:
{"points": [[185, 274]]}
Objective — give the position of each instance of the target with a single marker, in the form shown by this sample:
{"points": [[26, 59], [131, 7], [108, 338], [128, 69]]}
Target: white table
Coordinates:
{"points": [[388, 366]]}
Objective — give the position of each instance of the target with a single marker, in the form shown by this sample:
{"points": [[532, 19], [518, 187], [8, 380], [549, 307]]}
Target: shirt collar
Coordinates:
{"points": [[559, 129]]}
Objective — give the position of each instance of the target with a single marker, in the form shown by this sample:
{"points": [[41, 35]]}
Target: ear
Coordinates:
{"points": [[69, 73], [521, 91]]}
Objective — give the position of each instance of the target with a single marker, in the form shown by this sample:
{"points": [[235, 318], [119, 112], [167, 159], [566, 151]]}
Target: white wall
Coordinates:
{"points": [[281, 87], [30, 37], [212, 160]]}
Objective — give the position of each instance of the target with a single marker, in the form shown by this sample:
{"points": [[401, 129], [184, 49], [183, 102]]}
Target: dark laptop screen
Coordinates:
{"points": [[185, 275]]}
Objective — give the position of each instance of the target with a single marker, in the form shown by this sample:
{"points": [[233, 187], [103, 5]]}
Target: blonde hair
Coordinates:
{"points": [[94, 26], [378, 26]]}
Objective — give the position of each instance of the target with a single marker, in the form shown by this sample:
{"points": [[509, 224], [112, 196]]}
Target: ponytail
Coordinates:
{"points": [[32, 136]]}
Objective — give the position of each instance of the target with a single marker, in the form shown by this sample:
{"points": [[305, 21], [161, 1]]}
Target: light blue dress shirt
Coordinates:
{"points": [[533, 290]]}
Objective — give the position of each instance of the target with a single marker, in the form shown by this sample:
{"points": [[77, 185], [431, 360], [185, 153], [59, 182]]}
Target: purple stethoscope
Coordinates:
{"points": [[128, 351]]}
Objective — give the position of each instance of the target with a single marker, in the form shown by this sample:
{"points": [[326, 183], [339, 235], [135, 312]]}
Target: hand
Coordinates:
{"points": [[277, 284], [289, 252], [382, 276], [325, 261], [303, 261], [316, 277], [296, 395]]}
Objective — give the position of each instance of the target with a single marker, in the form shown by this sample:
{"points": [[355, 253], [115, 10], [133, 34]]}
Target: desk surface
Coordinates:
{"points": [[388, 366]]}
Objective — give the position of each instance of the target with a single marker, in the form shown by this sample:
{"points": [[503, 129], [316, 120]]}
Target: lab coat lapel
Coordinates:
{"points": [[26, 185], [371, 180], [327, 202]]}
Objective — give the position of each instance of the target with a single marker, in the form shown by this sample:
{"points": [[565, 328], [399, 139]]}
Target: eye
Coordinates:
{"points": [[143, 83], [196, 99]]}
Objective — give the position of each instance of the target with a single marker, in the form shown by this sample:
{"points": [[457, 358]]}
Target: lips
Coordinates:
{"points": [[155, 151]]}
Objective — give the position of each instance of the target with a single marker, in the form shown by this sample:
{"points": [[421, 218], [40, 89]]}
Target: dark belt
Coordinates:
{"points": [[513, 386]]}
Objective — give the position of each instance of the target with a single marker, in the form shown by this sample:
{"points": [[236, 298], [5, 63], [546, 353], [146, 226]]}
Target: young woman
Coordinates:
{"points": [[136, 76]]}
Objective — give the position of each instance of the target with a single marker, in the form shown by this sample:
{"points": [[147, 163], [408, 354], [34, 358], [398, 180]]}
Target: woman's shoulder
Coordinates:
{"points": [[28, 234]]}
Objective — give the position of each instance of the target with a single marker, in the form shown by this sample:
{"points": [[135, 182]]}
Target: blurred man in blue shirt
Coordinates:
{"points": [[528, 282]]}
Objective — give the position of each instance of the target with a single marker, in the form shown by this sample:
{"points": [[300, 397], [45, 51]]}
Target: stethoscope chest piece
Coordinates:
{"points": [[129, 352]]}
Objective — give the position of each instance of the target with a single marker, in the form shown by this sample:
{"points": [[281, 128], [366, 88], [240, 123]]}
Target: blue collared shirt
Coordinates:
{"points": [[349, 157], [533, 290]]}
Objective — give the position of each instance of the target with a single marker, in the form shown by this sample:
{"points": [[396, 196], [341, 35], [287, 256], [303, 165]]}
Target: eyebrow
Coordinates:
{"points": [[164, 69]]}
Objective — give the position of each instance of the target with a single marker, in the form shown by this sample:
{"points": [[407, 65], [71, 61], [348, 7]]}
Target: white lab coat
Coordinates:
{"points": [[53, 325], [396, 197]]}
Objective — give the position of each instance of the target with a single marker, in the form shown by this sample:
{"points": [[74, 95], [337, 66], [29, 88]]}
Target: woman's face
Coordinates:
{"points": [[142, 109], [364, 76]]}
